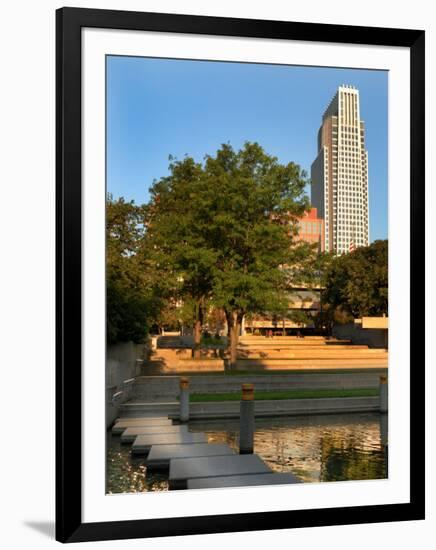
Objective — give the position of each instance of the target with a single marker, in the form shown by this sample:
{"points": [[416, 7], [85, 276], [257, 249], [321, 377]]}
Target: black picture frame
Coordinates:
{"points": [[69, 22]]}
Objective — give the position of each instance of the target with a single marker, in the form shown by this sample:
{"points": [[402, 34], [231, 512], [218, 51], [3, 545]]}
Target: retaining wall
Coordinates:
{"points": [[286, 407], [166, 388], [123, 362], [231, 409], [371, 337]]}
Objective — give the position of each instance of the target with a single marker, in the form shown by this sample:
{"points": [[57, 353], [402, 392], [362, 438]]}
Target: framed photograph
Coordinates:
{"points": [[240, 274]]}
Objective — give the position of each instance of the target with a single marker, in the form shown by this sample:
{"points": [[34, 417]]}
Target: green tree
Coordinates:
{"points": [[311, 272], [133, 300], [253, 203], [177, 217], [357, 283], [223, 232]]}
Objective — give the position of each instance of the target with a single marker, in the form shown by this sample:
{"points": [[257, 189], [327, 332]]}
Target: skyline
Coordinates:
{"points": [[157, 108]]}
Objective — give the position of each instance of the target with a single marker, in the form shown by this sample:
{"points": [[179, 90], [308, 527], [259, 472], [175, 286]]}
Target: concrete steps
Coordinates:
{"points": [[143, 443], [297, 344], [315, 354], [182, 469], [190, 459], [123, 423], [149, 409], [160, 455], [247, 480], [180, 360], [293, 340], [313, 345], [309, 364], [192, 366], [259, 353], [176, 354], [130, 434]]}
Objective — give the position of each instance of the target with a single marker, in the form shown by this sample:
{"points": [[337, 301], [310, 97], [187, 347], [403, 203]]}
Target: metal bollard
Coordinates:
{"points": [[383, 394], [184, 399], [246, 427]]}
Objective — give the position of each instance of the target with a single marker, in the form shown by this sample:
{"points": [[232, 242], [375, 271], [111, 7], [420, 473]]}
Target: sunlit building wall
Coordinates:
{"points": [[339, 174]]}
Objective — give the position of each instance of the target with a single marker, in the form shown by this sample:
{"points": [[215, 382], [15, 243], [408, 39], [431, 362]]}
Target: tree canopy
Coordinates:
{"points": [[224, 228], [357, 283], [253, 217], [132, 290]]}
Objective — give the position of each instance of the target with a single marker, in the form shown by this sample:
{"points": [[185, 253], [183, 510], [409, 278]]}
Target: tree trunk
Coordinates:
{"points": [[197, 339], [237, 321], [197, 331], [229, 324], [234, 321], [233, 345]]}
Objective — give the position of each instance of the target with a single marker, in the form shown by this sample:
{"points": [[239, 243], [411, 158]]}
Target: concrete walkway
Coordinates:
{"points": [[248, 480], [182, 469], [160, 455], [130, 434], [189, 457], [121, 425], [143, 443]]}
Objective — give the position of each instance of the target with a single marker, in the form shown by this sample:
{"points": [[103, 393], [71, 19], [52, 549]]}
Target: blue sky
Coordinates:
{"points": [[158, 107]]}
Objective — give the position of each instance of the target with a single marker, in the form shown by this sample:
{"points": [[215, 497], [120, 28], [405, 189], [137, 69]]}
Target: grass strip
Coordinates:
{"points": [[289, 394]]}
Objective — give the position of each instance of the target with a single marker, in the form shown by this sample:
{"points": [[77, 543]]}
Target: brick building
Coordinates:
{"points": [[311, 229]]}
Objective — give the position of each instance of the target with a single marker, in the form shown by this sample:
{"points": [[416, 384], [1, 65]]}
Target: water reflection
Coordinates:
{"points": [[127, 473], [317, 448]]}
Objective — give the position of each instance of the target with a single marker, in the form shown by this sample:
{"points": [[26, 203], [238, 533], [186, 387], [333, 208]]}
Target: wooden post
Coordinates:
{"points": [[184, 399], [246, 428]]}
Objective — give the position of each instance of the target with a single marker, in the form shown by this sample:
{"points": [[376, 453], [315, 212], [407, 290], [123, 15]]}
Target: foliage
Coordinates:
{"points": [[342, 461], [311, 266], [224, 230], [357, 283], [177, 218], [131, 302], [209, 340], [252, 219], [299, 317]]}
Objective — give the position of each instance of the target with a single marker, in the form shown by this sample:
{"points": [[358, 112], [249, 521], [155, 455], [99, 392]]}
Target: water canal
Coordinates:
{"points": [[315, 448]]}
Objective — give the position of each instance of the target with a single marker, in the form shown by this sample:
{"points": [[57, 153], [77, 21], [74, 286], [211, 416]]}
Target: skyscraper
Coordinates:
{"points": [[339, 174]]}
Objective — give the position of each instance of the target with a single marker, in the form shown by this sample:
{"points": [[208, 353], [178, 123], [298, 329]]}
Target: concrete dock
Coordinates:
{"points": [[130, 434], [246, 480], [160, 455], [123, 423], [143, 443], [182, 469]]}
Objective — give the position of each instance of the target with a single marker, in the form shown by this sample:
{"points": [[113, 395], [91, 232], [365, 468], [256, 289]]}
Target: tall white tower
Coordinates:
{"points": [[339, 174]]}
